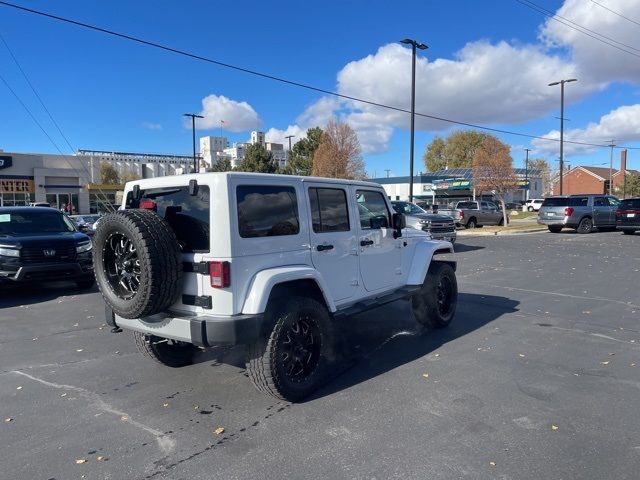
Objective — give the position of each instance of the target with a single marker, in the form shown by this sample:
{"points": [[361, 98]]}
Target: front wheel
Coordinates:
{"points": [[530, 209], [291, 363], [585, 225], [434, 305], [472, 223]]}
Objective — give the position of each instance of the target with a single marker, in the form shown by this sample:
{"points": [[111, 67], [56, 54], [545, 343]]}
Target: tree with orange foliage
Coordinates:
{"points": [[338, 155], [493, 170]]}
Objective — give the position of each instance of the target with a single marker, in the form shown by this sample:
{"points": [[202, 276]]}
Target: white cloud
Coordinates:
{"points": [[237, 116], [621, 125], [596, 61], [151, 126]]}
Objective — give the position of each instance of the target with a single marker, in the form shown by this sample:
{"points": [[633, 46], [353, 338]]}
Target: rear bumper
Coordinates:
{"points": [[557, 222], [46, 272], [203, 331]]}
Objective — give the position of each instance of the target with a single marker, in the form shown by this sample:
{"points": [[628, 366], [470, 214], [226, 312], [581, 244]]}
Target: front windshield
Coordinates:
{"points": [[34, 222], [407, 208]]}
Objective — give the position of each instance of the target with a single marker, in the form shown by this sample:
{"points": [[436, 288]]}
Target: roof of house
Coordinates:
{"points": [[601, 172]]}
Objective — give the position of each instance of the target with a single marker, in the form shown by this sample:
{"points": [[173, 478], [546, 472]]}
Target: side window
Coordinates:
{"points": [[188, 215], [329, 212], [599, 202], [614, 202], [578, 201], [492, 205], [371, 205], [267, 211], [484, 205]]}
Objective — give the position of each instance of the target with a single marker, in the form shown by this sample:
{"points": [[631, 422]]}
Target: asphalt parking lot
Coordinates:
{"points": [[539, 377]]}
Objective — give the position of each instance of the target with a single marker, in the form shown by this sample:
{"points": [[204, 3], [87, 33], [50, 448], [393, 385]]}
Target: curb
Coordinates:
{"points": [[503, 233]]}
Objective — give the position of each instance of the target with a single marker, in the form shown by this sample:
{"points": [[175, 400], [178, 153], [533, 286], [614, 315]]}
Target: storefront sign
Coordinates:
{"points": [[452, 184], [5, 161], [16, 186]]}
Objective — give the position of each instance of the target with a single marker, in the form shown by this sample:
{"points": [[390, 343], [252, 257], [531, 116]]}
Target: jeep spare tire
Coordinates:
{"points": [[137, 263]]}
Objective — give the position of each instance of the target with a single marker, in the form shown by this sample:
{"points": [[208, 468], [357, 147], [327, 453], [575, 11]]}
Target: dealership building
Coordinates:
{"points": [[62, 179], [445, 186]]}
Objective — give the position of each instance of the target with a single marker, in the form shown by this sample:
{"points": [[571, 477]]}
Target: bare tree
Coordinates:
{"points": [[493, 170], [338, 155]]}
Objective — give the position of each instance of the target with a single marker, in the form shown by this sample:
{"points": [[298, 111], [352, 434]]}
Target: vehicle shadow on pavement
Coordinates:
{"points": [[16, 295], [374, 343], [461, 247]]}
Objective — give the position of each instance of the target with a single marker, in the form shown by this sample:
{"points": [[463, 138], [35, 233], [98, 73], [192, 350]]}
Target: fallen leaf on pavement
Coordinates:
{"points": [[493, 464], [101, 458], [587, 312], [425, 375], [19, 388], [521, 355], [79, 350], [165, 404], [80, 461], [554, 427], [75, 324], [63, 394], [437, 355], [605, 363], [632, 365], [219, 431], [124, 418], [8, 419]]}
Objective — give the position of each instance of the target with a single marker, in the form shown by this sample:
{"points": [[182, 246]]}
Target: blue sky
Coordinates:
{"points": [[488, 63]]}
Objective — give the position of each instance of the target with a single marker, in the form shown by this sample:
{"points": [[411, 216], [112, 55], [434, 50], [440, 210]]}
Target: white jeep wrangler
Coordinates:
{"points": [[268, 261]]}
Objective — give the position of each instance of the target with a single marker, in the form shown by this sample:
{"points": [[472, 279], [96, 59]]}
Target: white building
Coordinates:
{"points": [[214, 149], [75, 179]]}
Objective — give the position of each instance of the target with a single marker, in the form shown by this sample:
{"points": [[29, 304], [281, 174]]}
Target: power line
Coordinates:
{"points": [[579, 28], [33, 89], [286, 81], [616, 13]]}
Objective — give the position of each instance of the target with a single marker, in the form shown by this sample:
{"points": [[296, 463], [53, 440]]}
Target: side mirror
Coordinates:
{"points": [[378, 222], [399, 222]]}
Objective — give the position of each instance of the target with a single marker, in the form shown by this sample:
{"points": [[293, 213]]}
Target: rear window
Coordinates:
{"points": [[578, 201], [188, 215], [267, 211], [630, 203], [555, 202], [470, 205]]}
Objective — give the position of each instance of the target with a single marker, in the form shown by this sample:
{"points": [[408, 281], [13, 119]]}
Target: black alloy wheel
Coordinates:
{"points": [[122, 265], [445, 294], [300, 349]]}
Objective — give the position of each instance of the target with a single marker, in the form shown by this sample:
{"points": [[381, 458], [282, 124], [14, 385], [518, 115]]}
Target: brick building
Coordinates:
{"points": [[586, 179]]}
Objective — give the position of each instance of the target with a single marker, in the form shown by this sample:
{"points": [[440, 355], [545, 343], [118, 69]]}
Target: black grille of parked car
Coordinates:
{"points": [[48, 253], [440, 228]]}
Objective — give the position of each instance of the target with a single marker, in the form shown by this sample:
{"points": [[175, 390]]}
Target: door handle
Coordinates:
{"points": [[322, 248], [364, 243]]}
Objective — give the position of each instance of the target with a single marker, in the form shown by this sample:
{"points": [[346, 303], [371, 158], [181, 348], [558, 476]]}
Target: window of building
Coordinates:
{"points": [[16, 199], [371, 205], [267, 211], [188, 215], [102, 202], [329, 212]]}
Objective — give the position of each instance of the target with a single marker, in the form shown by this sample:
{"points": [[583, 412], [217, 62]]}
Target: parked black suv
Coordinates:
{"points": [[628, 216], [41, 244]]}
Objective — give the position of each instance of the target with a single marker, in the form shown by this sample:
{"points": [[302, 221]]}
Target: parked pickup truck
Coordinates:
{"points": [[478, 214]]}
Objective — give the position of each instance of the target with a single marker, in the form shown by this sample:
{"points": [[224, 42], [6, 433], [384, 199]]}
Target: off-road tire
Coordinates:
{"points": [[426, 308], [167, 352], [585, 226], [554, 229], [266, 362], [85, 284], [472, 223], [158, 251]]}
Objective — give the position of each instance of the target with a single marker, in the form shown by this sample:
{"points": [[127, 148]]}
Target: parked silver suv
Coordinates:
{"points": [[580, 212]]}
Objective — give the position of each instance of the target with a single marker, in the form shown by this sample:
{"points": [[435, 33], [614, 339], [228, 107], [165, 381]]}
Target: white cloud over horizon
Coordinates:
{"points": [[237, 116], [151, 126]]}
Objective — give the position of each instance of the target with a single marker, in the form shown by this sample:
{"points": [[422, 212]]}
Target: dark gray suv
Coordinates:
{"points": [[580, 212]]}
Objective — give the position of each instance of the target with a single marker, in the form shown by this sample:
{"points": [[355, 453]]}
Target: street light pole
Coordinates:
{"points": [[561, 83], [414, 45], [193, 131], [526, 173]]}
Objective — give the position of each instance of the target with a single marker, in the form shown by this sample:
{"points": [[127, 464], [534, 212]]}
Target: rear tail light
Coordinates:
{"points": [[568, 211], [461, 214], [148, 205], [619, 213], [220, 273]]}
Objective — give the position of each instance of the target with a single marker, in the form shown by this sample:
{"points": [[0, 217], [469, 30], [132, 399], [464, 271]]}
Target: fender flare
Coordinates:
{"points": [[425, 250], [263, 282]]}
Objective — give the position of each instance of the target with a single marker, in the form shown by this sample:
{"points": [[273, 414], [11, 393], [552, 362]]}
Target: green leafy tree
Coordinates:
{"points": [[456, 151], [301, 156], [108, 174], [257, 159], [631, 187], [222, 165]]}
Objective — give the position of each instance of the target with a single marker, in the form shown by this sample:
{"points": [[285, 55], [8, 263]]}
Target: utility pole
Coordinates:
{"points": [[193, 131], [414, 45], [387, 170], [526, 173], [611, 144], [561, 83]]}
